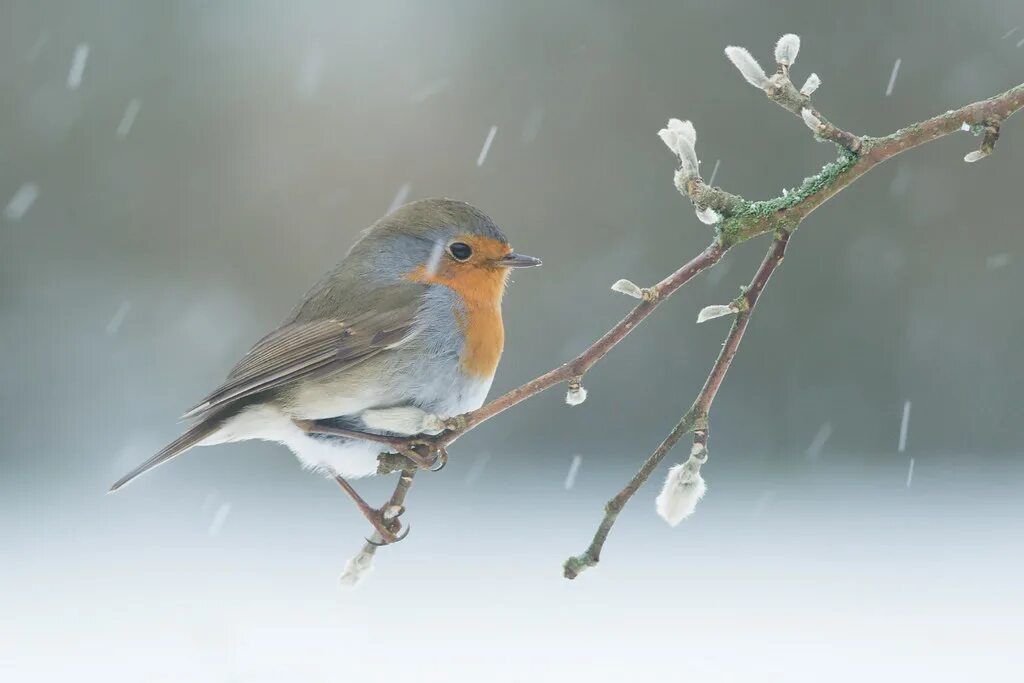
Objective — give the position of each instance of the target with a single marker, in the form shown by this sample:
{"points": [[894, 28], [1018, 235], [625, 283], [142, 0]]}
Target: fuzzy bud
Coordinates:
{"points": [[629, 289], [683, 488], [716, 311], [810, 85], [812, 121], [787, 49], [576, 393], [357, 568], [681, 138], [748, 66], [708, 216]]}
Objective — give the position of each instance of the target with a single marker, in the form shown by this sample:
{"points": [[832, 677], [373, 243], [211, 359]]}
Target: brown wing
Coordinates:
{"points": [[302, 350]]}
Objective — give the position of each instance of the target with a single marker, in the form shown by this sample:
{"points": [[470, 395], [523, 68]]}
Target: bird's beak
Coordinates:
{"points": [[514, 260]]}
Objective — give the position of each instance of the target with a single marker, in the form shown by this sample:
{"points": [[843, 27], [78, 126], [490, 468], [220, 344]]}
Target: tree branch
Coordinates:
{"points": [[736, 220], [696, 418]]}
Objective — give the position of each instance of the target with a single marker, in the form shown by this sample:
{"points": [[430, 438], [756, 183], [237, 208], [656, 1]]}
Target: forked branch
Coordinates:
{"points": [[735, 220]]}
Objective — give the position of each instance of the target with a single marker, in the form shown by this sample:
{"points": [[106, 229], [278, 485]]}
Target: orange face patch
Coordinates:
{"points": [[480, 284]]}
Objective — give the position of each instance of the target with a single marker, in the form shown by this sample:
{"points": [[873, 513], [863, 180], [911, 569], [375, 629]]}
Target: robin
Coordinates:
{"points": [[403, 333]]}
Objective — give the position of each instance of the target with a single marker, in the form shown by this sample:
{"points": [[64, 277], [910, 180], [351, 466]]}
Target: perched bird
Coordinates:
{"points": [[404, 333]]}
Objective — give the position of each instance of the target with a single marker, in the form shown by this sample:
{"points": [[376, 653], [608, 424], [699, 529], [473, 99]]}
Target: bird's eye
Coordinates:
{"points": [[460, 251]]}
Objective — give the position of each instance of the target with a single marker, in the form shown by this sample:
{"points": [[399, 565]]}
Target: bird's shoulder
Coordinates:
{"points": [[345, 294]]}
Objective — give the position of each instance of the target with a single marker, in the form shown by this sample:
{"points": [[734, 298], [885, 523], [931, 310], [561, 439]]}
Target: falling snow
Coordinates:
{"points": [[209, 499], [487, 146], [477, 470], [78, 66], [574, 468], [819, 441], [219, 518], [37, 47], [430, 89], [21, 202], [997, 261], [714, 172], [892, 77], [532, 125], [903, 427], [119, 315], [719, 272], [763, 501], [310, 73], [400, 197], [128, 118]]}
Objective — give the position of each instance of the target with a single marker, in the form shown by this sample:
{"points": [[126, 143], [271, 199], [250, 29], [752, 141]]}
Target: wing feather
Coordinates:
{"points": [[305, 349]]}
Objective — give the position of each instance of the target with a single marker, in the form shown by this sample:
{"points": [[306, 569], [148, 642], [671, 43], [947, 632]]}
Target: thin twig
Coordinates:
{"points": [[696, 418]]}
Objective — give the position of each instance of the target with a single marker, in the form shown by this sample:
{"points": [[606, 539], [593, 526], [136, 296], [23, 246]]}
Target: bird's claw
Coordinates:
{"points": [[389, 537], [435, 453], [442, 457]]}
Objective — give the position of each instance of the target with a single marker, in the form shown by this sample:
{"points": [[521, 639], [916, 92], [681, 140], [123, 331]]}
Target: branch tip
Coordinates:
{"points": [[577, 564], [787, 49], [631, 289], [683, 489], [810, 85], [681, 138], [715, 311], [748, 66]]}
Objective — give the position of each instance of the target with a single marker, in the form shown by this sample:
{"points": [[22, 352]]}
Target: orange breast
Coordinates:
{"points": [[480, 290]]}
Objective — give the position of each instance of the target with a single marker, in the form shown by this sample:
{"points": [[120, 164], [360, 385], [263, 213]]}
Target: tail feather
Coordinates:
{"points": [[183, 443]]}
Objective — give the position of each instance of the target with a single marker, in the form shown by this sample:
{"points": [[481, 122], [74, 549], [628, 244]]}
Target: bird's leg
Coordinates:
{"points": [[435, 452], [314, 427], [405, 446], [382, 519]]}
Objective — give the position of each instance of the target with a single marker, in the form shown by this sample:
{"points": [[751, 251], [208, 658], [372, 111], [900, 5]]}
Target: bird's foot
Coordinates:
{"points": [[384, 520], [426, 453], [388, 534]]}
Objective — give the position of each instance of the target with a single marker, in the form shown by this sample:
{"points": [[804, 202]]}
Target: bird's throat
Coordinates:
{"points": [[479, 291]]}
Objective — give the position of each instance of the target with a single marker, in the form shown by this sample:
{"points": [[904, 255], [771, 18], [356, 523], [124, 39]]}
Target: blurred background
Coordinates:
{"points": [[175, 175]]}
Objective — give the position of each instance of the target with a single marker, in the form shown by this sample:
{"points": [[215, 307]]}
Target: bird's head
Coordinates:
{"points": [[446, 242]]}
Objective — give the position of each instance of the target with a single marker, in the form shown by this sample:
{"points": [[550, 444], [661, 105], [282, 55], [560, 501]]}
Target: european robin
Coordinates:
{"points": [[405, 332]]}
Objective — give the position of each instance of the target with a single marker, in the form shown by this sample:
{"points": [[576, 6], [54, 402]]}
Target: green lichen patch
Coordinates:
{"points": [[768, 215]]}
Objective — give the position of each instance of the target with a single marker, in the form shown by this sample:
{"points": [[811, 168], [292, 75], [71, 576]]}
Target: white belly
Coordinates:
{"points": [[348, 458], [345, 457]]}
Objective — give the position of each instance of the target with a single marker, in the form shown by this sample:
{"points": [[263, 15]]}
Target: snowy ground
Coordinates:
{"points": [[797, 581]]}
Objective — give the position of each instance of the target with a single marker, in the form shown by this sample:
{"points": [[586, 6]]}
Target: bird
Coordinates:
{"points": [[403, 334]]}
